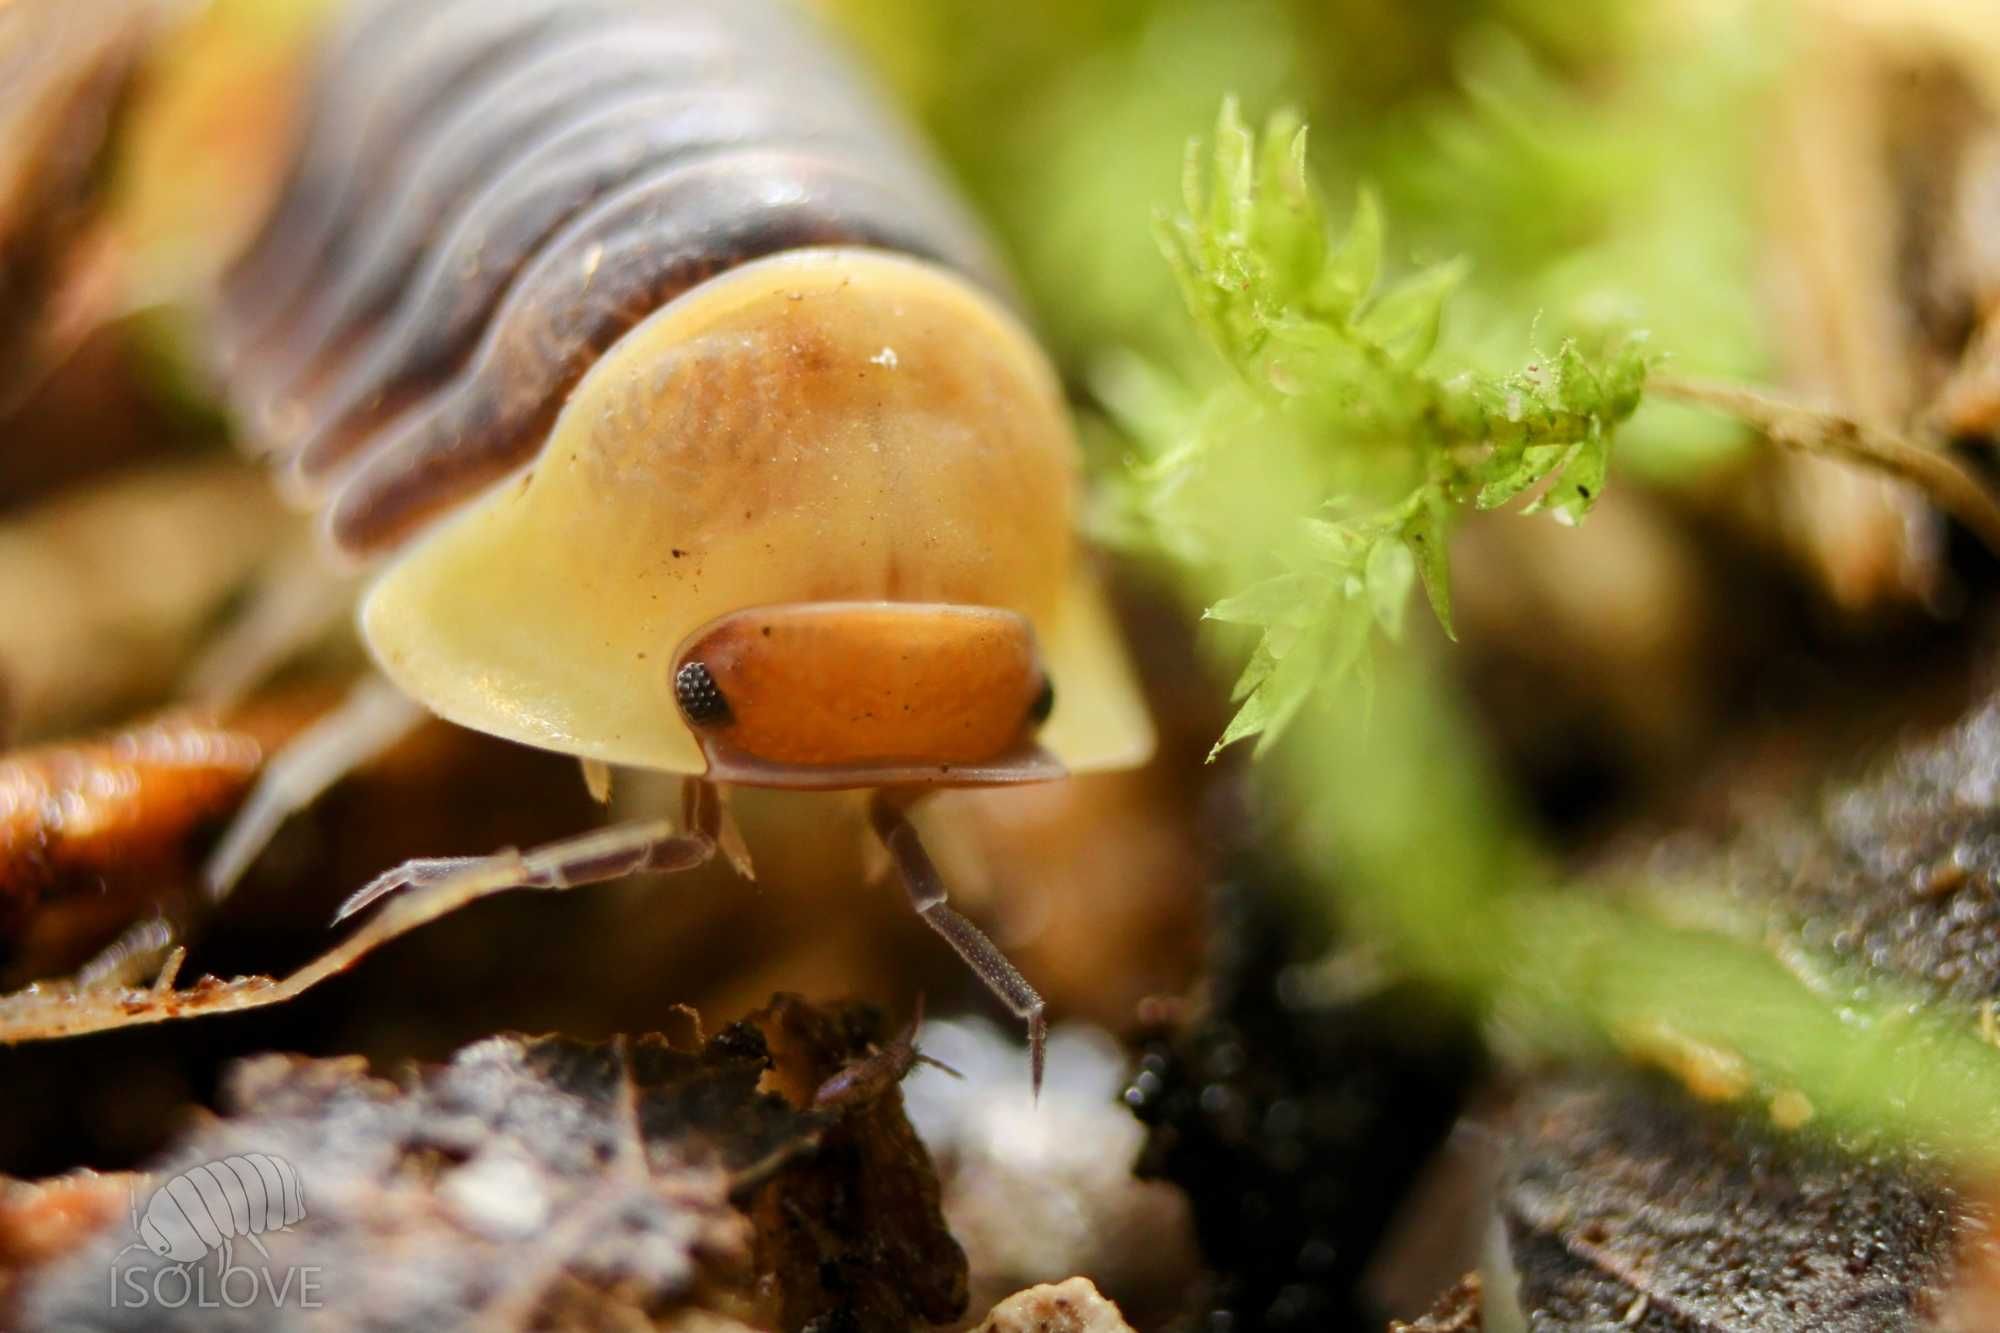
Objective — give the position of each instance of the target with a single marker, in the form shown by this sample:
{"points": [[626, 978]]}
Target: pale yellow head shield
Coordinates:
{"points": [[823, 425]]}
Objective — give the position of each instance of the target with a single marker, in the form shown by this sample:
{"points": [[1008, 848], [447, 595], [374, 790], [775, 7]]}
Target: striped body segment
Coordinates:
{"points": [[491, 193]]}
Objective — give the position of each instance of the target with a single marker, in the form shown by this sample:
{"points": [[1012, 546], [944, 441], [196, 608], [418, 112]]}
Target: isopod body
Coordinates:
{"points": [[203, 1211], [591, 322], [683, 418]]}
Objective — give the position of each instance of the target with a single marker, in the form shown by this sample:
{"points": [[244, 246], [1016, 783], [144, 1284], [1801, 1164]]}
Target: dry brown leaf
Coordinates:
{"points": [[98, 833]]}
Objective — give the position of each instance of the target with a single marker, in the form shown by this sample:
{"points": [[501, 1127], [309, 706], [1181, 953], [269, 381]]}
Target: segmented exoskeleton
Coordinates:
{"points": [[491, 192], [683, 415]]}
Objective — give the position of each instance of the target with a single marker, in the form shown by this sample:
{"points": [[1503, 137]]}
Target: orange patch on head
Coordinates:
{"points": [[839, 684]]}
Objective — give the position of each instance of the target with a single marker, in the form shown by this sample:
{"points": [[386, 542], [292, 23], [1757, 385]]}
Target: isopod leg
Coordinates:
{"points": [[592, 858], [145, 949], [929, 897], [443, 885], [416, 895], [422, 873], [373, 717], [425, 890]]}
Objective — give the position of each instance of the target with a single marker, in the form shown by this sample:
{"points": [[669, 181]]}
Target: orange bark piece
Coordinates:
{"points": [[73, 816]]}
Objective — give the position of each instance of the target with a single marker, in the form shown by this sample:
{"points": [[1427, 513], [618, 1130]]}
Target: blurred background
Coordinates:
{"points": [[1301, 970]]}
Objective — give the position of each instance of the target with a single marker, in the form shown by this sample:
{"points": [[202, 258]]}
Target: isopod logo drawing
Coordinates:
{"points": [[204, 1211]]}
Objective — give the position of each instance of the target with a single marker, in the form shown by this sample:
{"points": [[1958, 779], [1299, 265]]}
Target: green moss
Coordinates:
{"points": [[1561, 175], [1336, 433]]}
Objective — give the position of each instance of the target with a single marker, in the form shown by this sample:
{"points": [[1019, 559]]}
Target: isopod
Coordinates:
{"points": [[205, 1210], [683, 421]]}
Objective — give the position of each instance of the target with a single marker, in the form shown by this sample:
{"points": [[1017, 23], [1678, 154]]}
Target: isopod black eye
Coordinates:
{"points": [[699, 698], [1045, 702]]}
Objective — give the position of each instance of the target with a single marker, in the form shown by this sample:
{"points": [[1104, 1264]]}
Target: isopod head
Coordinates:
{"points": [[867, 693], [155, 1239], [829, 426], [167, 1232]]}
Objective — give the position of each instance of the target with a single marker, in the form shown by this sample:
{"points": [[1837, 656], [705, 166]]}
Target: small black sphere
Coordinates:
{"points": [[699, 698], [1045, 702]]}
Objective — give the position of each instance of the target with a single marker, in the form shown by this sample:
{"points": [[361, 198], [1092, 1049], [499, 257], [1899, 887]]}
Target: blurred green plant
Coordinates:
{"points": [[1328, 356], [1279, 452], [1584, 155], [1620, 202], [1300, 483], [1391, 799]]}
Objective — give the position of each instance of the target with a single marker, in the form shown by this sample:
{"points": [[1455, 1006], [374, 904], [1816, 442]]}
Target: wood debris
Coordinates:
{"points": [[545, 1182]]}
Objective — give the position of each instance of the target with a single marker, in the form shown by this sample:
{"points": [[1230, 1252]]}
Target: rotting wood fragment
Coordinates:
{"points": [[864, 1229], [549, 1182], [1894, 873], [1456, 1311], [1629, 1205]]}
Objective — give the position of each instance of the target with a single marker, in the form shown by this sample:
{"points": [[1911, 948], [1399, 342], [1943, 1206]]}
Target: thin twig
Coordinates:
{"points": [[1951, 486]]}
